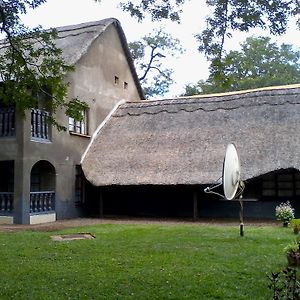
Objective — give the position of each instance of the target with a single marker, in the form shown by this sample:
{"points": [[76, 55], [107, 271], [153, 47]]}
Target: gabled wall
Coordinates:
{"points": [[93, 81]]}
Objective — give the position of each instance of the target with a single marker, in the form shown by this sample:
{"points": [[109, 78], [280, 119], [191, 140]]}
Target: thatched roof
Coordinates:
{"points": [[183, 140], [75, 41]]}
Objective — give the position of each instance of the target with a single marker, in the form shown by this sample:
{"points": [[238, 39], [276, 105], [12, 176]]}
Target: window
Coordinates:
{"points": [[39, 124], [79, 126], [283, 184]]}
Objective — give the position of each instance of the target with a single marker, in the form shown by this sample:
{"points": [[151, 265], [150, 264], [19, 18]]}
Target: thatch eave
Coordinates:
{"points": [[183, 140]]}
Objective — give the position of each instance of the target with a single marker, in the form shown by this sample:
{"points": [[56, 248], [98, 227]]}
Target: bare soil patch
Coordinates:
{"points": [[72, 237]]}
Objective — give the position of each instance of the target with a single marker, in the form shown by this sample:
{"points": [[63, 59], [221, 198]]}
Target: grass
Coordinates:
{"points": [[160, 261]]}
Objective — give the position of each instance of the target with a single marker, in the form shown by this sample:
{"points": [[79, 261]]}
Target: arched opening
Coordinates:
{"points": [[6, 186], [42, 187]]}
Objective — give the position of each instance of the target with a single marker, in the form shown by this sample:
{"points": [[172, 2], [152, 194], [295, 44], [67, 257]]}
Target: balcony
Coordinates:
{"points": [[7, 122], [39, 124], [42, 201], [6, 202]]}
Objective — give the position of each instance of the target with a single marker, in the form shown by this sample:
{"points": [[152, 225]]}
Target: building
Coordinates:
{"points": [[40, 174], [154, 158]]}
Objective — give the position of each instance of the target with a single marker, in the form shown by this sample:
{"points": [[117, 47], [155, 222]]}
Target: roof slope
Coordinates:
{"points": [[183, 141], [75, 40]]}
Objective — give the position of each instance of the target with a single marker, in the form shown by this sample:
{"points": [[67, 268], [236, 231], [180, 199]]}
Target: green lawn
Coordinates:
{"points": [[160, 261]]}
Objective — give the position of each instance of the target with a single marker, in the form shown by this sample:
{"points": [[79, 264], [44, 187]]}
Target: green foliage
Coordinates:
{"points": [[285, 284], [239, 15], [30, 62], [284, 212], [227, 17], [259, 63], [292, 247], [295, 224], [75, 107], [136, 261], [148, 55], [156, 9]]}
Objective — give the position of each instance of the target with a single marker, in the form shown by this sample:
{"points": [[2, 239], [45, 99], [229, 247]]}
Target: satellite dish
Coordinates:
{"points": [[233, 187], [231, 172]]}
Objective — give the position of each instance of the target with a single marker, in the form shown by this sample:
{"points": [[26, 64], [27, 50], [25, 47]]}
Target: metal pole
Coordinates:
{"points": [[241, 217]]}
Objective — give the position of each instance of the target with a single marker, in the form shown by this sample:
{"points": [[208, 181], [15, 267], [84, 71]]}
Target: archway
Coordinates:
{"points": [[42, 187]]}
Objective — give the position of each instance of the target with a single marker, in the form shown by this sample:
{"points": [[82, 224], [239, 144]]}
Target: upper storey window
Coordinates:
{"points": [[7, 121], [79, 127]]}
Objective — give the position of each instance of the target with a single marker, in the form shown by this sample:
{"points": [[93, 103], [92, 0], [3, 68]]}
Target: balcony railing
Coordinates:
{"points": [[6, 202], [39, 124], [7, 121], [42, 201]]}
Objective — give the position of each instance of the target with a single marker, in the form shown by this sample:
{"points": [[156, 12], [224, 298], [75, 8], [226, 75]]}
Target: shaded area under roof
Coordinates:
{"points": [[183, 140]]}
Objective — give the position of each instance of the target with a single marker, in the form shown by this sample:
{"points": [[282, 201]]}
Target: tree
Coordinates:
{"points": [[227, 16], [30, 64], [259, 63], [148, 55], [157, 9]]}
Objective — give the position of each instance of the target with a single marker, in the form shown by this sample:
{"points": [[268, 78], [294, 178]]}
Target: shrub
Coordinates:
{"points": [[295, 224], [284, 212], [285, 284]]}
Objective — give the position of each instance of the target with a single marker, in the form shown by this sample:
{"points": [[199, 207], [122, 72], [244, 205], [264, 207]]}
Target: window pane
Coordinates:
{"points": [[285, 185], [71, 124], [269, 184], [79, 126], [285, 193], [269, 193]]}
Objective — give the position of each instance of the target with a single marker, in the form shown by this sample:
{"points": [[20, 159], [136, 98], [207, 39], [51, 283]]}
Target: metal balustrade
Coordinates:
{"points": [[6, 202], [42, 201], [39, 124], [7, 122]]}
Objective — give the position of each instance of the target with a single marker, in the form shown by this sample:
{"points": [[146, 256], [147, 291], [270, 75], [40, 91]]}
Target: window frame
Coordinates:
{"points": [[285, 184], [79, 127]]}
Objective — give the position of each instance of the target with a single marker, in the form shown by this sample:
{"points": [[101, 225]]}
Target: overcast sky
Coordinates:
{"points": [[190, 67]]}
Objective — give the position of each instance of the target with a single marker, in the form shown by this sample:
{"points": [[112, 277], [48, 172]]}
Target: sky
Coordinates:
{"points": [[190, 67]]}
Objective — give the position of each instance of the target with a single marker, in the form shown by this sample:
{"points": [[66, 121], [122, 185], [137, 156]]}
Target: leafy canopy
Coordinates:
{"points": [[156, 8], [227, 16], [31, 66], [259, 63], [149, 54]]}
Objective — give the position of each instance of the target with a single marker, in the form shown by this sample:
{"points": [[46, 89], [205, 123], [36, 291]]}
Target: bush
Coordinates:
{"points": [[284, 212], [295, 224], [285, 284]]}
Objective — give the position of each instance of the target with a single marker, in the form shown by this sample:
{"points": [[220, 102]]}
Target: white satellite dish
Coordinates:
{"points": [[232, 184], [233, 187], [231, 172]]}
